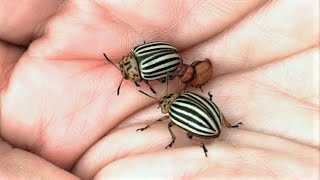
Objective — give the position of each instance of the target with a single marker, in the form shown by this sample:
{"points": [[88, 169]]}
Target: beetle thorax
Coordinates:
{"points": [[165, 102], [129, 68]]}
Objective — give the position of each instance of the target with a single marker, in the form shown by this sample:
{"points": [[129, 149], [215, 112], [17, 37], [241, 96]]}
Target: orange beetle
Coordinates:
{"points": [[196, 74]]}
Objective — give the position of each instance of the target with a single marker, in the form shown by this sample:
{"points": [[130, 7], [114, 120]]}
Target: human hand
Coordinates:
{"points": [[59, 102]]}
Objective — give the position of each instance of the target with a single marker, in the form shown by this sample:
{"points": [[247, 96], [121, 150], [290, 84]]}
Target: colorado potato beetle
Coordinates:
{"points": [[196, 114], [149, 61]]}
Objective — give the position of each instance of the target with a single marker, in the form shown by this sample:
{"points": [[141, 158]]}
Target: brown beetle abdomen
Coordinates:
{"points": [[185, 73], [202, 72]]}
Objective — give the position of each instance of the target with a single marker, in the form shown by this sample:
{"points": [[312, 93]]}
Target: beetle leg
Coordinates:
{"points": [[229, 125], [162, 80], [210, 95], [185, 88], [152, 123], [150, 87], [198, 142], [200, 87], [171, 77], [138, 85], [167, 81], [172, 135]]}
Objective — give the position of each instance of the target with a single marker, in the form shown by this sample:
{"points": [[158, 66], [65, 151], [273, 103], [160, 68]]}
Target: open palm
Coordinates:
{"points": [[60, 111]]}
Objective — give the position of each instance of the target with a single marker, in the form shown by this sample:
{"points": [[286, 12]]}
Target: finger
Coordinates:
{"points": [[113, 148], [9, 55], [277, 30], [136, 144], [222, 164], [18, 21], [115, 27], [279, 99], [19, 164]]}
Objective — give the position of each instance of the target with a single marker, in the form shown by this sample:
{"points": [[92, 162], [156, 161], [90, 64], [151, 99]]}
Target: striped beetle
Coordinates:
{"points": [[149, 61], [194, 113]]}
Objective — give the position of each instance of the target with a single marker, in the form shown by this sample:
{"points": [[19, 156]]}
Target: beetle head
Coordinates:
{"points": [[165, 102], [129, 68]]}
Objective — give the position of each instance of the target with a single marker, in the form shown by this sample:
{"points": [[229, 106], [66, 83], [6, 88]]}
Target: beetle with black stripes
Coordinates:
{"points": [[196, 114], [149, 61]]}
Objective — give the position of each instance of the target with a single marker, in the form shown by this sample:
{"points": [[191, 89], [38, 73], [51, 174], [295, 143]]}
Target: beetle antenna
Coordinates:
{"points": [[147, 95], [118, 91], [167, 79], [110, 61]]}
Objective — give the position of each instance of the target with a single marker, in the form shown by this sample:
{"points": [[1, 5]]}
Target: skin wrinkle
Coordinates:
{"points": [[107, 10], [222, 7], [72, 115], [301, 100], [8, 61], [5, 73], [272, 148], [119, 154], [266, 30], [116, 157], [272, 62], [282, 90], [241, 156], [84, 106], [89, 70], [40, 143], [261, 160], [132, 113], [246, 16], [276, 134], [44, 125], [130, 37], [1, 116], [6, 70], [269, 167], [231, 25], [25, 36], [177, 17], [266, 33], [254, 68], [43, 30], [107, 7], [38, 30], [5, 147], [69, 117]]}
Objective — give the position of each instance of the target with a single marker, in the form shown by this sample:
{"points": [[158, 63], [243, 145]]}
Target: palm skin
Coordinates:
{"points": [[59, 107]]}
